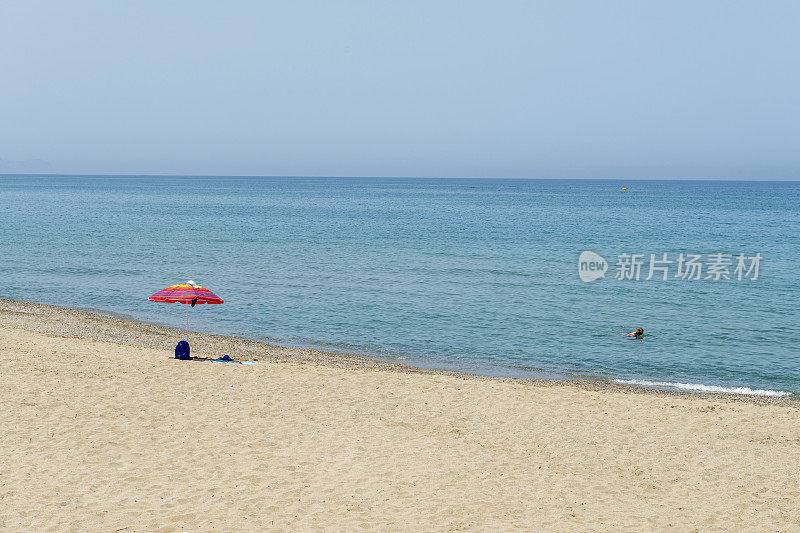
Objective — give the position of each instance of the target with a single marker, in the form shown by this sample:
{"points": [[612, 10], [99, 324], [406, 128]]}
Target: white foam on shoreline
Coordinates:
{"points": [[699, 387]]}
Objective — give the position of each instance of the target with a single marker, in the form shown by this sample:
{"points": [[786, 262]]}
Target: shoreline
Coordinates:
{"points": [[108, 326], [103, 430]]}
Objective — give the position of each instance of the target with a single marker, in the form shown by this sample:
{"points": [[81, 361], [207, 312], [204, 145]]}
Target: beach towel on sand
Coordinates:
{"points": [[182, 351], [227, 359]]}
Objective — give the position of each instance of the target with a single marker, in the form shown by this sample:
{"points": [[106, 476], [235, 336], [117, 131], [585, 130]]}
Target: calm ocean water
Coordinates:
{"points": [[479, 274]]}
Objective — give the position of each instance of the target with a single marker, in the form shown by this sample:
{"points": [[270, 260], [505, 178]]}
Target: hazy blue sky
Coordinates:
{"points": [[431, 88]]}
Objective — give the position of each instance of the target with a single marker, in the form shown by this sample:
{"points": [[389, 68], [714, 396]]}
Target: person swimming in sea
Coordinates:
{"points": [[638, 333]]}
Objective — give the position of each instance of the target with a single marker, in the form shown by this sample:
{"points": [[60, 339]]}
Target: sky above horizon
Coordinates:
{"points": [[570, 89]]}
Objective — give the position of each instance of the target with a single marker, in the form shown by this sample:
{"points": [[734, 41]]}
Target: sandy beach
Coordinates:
{"points": [[102, 430]]}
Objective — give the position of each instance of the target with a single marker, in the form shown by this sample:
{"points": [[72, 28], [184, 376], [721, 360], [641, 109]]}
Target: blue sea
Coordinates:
{"points": [[479, 275]]}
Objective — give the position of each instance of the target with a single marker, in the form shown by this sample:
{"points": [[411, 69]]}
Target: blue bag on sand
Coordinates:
{"points": [[224, 359], [182, 351]]}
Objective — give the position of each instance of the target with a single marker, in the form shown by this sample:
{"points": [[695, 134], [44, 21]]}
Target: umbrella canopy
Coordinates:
{"points": [[186, 293]]}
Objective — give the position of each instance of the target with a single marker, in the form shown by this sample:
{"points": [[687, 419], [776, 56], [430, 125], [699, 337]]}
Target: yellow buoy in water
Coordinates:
{"points": [[624, 188]]}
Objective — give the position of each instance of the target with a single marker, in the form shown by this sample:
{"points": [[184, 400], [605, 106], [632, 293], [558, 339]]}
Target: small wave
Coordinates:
{"points": [[699, 387]]}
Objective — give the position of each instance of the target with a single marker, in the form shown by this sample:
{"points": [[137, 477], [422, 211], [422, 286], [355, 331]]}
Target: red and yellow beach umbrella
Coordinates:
{"points": [[189, 293]]}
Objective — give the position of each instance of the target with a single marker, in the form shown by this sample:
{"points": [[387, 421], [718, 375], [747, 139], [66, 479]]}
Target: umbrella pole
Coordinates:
{"points": [[187, 323]]}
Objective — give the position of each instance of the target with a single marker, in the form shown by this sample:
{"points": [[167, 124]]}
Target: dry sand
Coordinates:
{"points": [[118, 436]]}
